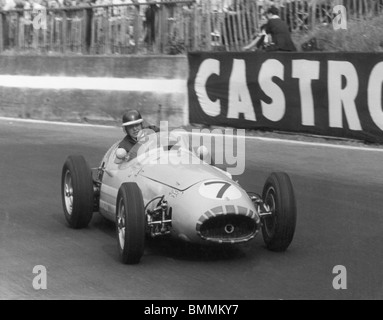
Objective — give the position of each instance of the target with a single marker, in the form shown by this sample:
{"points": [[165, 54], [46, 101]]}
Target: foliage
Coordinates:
{"points": [[360, 35]]}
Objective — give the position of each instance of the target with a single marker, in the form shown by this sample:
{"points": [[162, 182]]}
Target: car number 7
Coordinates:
{"points": [[221, 191]]}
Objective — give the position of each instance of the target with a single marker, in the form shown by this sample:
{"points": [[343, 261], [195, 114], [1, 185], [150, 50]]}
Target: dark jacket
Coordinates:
{"points": [[281, 35], [128, 142]]}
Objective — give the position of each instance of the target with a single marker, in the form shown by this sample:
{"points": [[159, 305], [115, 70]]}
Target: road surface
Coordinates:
{"points": [[340, 222]]}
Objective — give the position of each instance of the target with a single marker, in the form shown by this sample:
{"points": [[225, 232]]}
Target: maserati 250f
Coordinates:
{"points": [[169, 189]]}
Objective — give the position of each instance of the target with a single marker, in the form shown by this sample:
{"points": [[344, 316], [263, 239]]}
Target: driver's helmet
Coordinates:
{"points": [[131, 118]]}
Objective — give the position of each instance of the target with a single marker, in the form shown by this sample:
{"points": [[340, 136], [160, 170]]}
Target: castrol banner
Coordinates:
{"points": [[328, 94]]}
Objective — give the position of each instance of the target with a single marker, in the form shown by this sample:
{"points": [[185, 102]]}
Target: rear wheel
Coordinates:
{"points": [[77, 192], [278, 229], [130, 223]]}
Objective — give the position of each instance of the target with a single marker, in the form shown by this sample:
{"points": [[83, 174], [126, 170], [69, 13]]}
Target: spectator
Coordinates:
{"points": [[116, 10], [19, 4], [27, 14], [88, 27], [53, 4], [279, 32], [7, 26], [9, 5], [151, 20], [38, 4]]}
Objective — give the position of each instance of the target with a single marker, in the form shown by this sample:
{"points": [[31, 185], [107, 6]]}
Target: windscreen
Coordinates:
{"points": [[155, 144]]}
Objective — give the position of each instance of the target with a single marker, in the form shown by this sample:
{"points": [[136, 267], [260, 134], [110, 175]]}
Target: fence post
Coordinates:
{"points": [[51, 33], [256, 15], [165, 30], [137, 29], [160, 29], [107, 32], [1, 33], [123, 31], [239, 25], [189, 24], [35, 42], [225, 38], [64, 32], [360, 9], [208, 27], [248, 26], [312, 6], [92, 36], [17, 32], [45, 33], [83, 35], [157, 30], [195, 27], [367, 12]]}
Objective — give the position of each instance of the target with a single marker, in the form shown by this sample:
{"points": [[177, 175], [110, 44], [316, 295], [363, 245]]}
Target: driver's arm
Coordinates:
{"points": [[154, 128]]}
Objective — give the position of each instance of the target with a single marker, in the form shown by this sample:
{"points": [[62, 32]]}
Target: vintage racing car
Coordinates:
{"points": [[168, 189]]}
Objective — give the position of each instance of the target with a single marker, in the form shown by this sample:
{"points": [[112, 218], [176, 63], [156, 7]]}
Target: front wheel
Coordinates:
{"points": [[130, 223], [77, 192], [278, 228]]}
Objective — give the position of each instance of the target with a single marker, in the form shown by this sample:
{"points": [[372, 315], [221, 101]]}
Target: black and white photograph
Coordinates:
{"points": [[191, 156]]}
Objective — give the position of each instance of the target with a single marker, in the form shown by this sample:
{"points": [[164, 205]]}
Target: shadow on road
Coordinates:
{"points": [[179, 250], [176, 249]]}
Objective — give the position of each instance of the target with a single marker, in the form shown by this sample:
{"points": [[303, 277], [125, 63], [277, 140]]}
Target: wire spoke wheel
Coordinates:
{"points": [[77, 192], [270, 221], [121, 224], [130, 223], [278, 228], [68, 192]]}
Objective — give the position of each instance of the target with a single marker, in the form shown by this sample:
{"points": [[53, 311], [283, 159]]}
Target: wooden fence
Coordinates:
{"points": [[234, 28], [168, 27], [110, 29]]}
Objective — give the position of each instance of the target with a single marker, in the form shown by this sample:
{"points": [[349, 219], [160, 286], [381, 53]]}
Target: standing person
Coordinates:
{"points": [[279, 31], [150, 21]]}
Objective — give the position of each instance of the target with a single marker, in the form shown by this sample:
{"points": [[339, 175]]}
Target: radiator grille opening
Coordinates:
{"points": [[228, 227]]}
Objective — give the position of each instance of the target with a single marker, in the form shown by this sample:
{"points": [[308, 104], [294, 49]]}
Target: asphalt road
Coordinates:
{"points": [[340, 222]]}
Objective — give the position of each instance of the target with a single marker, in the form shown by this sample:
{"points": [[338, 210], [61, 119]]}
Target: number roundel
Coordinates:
{"points": [[219, 190]]}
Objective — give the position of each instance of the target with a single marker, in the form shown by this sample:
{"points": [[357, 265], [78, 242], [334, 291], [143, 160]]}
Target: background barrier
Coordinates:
{"points": [[165, 27], [37, 87], [330, 94]]}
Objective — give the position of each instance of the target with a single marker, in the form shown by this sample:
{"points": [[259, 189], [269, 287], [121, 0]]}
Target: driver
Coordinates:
{"points": [[132, 124]]}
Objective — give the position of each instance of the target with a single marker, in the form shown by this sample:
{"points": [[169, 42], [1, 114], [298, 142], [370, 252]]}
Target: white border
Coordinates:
{"points": [[93, 83]]}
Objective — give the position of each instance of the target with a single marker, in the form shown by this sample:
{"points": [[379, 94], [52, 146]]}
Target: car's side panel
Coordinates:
{"points": [[109, 186], [115, 174]]}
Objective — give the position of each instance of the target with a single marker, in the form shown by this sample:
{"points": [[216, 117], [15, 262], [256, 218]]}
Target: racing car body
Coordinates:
{"points": [[164, 188]]}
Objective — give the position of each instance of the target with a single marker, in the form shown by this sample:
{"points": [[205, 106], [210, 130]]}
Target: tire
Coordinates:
{"points": [[279, 228], [130, 223], [77, 192]]}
